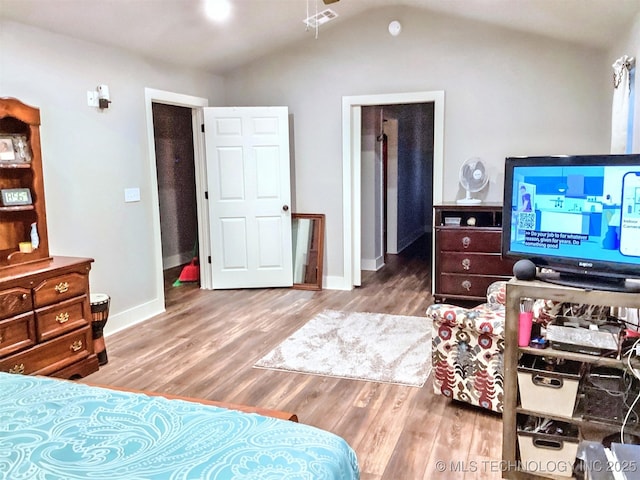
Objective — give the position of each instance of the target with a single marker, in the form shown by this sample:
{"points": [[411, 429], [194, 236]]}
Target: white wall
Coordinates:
{"points": [[507, 93], [91, 156]]}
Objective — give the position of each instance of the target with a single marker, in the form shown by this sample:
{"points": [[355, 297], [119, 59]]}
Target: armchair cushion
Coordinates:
{"points": [[485, 319]]}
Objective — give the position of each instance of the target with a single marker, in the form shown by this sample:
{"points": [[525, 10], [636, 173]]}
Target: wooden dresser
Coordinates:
{"points": [[467, 256], [45, 310], [45, 318]]}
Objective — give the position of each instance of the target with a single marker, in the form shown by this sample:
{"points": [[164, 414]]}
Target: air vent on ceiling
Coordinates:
{"points": [[320, 18]]}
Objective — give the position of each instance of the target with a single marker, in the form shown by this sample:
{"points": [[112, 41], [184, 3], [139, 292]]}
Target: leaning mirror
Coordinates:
{"points": [[308, 250]]}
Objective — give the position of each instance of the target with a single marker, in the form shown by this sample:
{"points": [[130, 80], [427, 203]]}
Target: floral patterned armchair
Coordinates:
{"points": [[467, 350]]}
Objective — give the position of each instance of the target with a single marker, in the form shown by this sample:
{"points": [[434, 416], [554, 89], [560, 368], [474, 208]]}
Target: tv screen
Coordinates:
{"points": [[576, 215]]}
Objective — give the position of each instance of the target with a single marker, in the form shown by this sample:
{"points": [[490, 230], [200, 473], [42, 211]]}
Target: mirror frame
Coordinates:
{"points": [[318, 240]]}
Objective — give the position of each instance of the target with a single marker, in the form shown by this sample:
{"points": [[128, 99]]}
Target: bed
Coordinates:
{"points": [[57, 429]]}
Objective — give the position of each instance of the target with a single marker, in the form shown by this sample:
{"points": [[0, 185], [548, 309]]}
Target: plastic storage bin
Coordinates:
{"points": [[546, 446], [548, 387]]}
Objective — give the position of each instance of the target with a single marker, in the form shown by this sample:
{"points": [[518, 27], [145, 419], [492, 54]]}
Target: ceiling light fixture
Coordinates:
{"points": [[217, 10]]}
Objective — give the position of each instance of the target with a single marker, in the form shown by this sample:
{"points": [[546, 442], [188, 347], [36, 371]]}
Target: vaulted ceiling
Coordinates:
{"points": [[176, 31]]}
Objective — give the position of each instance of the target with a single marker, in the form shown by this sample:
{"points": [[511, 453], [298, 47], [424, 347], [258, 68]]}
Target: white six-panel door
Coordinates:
{"points": [[247, 151]]}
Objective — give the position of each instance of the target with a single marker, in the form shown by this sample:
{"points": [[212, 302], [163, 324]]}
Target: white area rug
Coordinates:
{"points": [[363, 346]]}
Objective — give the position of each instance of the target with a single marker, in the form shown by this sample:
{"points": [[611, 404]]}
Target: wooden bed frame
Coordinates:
{"points": [[267, 412]]}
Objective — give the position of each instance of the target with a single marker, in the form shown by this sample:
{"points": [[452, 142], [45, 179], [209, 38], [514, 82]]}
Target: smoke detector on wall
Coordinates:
{"points": [[395, 28]]}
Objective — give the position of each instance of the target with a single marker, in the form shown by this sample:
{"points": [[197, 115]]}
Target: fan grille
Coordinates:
{"points": [[473, 175]]}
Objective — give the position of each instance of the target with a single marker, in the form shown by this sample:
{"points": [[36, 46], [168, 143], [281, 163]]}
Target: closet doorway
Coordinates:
{"points": [[175, 170], [194, 105]]}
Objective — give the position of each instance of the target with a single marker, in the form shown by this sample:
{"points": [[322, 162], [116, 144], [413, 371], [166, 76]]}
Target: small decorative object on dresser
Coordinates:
{"points": [[466, 252]]}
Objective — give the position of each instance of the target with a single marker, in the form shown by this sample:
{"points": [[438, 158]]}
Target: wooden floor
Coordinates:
{"points": [[207, 342]]}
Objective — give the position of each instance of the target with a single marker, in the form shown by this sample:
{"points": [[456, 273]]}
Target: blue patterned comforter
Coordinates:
{"points": [[52, 429]]}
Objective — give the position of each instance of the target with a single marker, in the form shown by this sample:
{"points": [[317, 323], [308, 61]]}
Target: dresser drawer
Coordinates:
{"points": [[14, 301], [469, 240], [466, 285], [55, 289], [17, 333], [51, 356], [62, 317], [475, 263]]}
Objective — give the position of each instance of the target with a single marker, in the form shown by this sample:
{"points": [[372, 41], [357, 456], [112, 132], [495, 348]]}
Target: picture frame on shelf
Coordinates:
{"points": [[14, 148], [7, 149]]}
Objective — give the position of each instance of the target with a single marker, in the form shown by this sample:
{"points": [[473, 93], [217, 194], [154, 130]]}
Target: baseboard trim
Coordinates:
{"points": [[133, 316], [176, 260], [336, 283], [372, 265]]}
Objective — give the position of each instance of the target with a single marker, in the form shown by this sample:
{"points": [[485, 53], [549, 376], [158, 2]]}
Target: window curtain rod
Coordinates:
{"points": [[621, 67]]}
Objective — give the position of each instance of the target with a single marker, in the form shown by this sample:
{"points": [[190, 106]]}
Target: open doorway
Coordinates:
{"points": [[396, 182], [175, 169], [194, 105], [351, 157]]}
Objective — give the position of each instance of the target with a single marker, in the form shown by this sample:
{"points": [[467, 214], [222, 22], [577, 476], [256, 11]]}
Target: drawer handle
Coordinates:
{"points": [[62, 318], [466, 285], [550, 444], [549, 382], [24, 296], [466, 263], [77, 345], [62, 287], [466, 242], [17, 369]]}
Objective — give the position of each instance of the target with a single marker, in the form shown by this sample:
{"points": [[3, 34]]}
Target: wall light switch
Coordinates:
{"points": [[132, 194], [92, 98]]}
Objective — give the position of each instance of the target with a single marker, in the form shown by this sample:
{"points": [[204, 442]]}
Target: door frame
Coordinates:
{"points": [[195, 104], [351, 167]]}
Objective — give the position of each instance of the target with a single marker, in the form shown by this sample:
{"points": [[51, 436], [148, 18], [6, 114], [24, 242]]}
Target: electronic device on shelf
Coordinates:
{"points": [[575, 334], [15, 196], [578, 216]]}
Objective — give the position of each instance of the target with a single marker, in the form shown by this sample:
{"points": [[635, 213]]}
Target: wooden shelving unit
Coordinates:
{"points": [[21, 121], [517, 289]]}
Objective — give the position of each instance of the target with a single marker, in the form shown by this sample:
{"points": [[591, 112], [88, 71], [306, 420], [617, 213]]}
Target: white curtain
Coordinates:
{"points": [[620, 110], [620, 118]]}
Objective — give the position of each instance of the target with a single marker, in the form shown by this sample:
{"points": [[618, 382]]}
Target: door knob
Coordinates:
{"points": [[285, 207]]}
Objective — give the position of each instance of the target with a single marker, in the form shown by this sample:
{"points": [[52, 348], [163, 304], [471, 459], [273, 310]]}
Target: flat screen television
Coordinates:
{"points": [[578, 216]]}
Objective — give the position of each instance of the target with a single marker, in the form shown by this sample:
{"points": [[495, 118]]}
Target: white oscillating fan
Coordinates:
{"points": [[473, 178]]}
